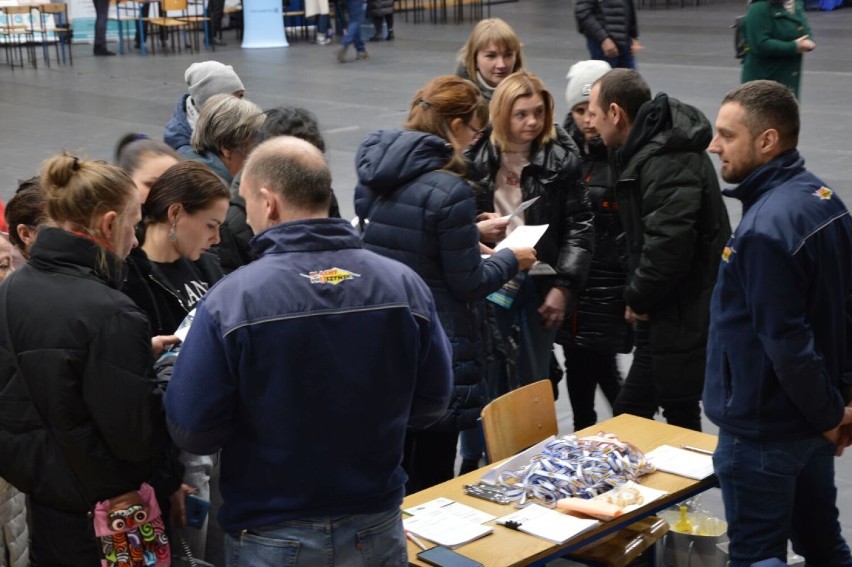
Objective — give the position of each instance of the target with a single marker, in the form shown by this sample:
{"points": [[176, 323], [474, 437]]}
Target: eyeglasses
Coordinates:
{"points": [[476, 131]]}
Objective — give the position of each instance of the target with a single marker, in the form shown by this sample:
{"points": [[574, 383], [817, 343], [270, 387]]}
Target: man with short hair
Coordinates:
{"points": [[676, 226], [305, 367], [779, 355]]}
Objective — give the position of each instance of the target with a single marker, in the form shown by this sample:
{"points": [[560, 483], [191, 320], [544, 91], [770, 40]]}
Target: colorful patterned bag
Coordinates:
{"points": [[131, 530]]}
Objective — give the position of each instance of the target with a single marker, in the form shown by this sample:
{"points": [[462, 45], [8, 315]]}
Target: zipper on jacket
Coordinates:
{"points": [[171, 292]]}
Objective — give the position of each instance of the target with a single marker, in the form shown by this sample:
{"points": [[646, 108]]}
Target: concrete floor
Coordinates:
{"points": [[689, 54]]}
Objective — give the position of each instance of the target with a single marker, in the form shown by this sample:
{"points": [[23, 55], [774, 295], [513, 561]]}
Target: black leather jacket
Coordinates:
{"points": [[553, 174]]}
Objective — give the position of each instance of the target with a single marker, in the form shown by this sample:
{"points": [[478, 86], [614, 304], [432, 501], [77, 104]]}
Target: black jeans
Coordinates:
{"points": [[62, 539], [215, 11], [641, 393], [584, 371]]}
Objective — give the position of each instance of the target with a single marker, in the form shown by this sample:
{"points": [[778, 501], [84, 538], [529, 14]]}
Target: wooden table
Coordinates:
{"points": [[506, 547]]}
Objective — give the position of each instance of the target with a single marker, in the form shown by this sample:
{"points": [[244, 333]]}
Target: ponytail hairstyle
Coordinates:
{"points": [[515, 86], [191, 184], [441, 101], [77, 192]]}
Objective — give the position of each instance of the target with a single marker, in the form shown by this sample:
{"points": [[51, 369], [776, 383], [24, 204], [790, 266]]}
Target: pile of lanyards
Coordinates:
{"points": [[569, 466]]}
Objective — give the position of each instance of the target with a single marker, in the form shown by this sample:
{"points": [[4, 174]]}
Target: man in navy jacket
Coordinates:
{"points": [[779, 359], [306, 367]]}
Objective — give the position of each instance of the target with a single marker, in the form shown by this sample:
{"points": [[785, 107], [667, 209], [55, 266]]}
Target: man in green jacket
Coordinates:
{"points": [[676, 226], [777, 33]]}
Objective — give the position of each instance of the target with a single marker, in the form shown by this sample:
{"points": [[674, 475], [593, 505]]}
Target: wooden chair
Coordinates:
{"points": [[197, 22], [167, 26], [518, 420], [521, 418]]}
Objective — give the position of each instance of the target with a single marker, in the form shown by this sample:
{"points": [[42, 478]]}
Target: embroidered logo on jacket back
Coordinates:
{"points": [[331, 276]]}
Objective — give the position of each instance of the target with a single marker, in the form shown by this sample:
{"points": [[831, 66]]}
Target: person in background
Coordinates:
{"points": [[101, 15], [204, 79], [289, 340], [778, 382], [14, 536], [355, 9], [317, 10], [80, 410], [421, 212], [777, 34], [676, 226], [492, 53], [382, 13], [224, 135], [144, 160], [234, 250], [25, 213], [611, 30], [596, 330], [215, 11]]}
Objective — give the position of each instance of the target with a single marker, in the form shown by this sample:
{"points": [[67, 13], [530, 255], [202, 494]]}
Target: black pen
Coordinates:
{"points": [[696, 449]]}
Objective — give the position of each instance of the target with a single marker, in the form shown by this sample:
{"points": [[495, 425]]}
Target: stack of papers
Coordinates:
{"points": [[447, 522], [547, 524], [681, 462]]}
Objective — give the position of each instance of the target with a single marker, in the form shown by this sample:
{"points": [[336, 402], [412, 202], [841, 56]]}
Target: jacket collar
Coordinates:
{"points": [[59, 251], [766, 177], [309, 235]]}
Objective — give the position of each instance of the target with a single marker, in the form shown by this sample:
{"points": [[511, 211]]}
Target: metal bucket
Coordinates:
{"points": [[696, 549]]}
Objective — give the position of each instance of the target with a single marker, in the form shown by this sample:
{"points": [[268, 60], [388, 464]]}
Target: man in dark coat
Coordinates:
{"points": [[780, 332], [676, 226], [610, 29]]}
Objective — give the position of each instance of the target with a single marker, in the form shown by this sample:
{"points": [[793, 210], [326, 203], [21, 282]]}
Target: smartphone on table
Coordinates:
{"points": [[441, 556]]}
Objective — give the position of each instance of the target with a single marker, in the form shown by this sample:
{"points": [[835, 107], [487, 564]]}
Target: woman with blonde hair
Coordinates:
{"points": [[421, 212], [522, 156], [80, 408], [492, 53]]}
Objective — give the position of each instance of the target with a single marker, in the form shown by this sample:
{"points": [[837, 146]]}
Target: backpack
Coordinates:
{"points": [[740, 45]]}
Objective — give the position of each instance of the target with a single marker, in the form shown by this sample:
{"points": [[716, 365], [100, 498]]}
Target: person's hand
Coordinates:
{"points": [[483, 249], [841, 434], [161, 342], [492, 227], [177, 515], [635, 46], [525, 257], [631, 316], [804, 44], [555, 306], [609, 48]]}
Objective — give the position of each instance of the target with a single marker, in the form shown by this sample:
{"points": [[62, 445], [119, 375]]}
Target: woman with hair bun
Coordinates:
{"points": [[24, 213], [80, 409], [421, 212]]}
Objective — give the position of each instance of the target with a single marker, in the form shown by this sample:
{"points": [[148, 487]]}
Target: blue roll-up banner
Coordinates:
{"points": [[264, 24]]}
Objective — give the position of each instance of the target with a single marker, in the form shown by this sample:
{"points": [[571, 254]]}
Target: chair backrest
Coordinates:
{"points": [[518, 420], [175, 6]]}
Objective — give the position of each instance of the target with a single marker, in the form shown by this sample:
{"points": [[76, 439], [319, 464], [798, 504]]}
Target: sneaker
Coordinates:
{"points": [[218, 42], [103, 52], [323, 40], [363, 55], [341, 55]]}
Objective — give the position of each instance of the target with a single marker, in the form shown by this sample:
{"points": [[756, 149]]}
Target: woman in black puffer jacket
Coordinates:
{"points": [[524, 156], [421, 212]]}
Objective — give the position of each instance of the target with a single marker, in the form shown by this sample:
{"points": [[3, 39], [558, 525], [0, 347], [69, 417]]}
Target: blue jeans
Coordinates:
{"points": [[624, 60], [778, 490], [371, 540], [353, 30]]}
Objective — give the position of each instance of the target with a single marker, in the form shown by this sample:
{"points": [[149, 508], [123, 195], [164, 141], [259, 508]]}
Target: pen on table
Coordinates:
{"points": [[416, 541], [696, 449]]}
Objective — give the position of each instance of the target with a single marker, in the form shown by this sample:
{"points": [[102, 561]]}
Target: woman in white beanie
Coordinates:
{"points": [[203, 80], [596, 331]]}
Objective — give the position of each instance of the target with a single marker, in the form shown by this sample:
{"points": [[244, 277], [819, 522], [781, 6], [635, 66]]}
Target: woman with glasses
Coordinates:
{"points": [[421, 212], [523, 156]]}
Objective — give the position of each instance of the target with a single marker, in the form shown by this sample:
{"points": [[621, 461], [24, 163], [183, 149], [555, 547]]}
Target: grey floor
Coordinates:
{"points": [[689, 54]]}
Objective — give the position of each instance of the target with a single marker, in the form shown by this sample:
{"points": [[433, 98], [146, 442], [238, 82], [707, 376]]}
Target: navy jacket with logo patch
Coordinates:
{"points": [[779, 348], [306, 367]]}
